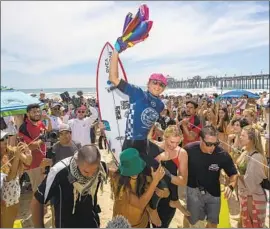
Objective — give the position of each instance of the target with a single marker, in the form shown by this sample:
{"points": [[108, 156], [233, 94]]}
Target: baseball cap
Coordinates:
{"points": [[159, 77], [56, 104], [64, 127]]}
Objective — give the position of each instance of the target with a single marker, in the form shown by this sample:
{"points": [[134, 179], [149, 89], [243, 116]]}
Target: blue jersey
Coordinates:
{"points": [[143, 112]]}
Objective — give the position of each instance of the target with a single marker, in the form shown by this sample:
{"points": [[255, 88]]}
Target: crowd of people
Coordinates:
{"points": [[198, 142]]}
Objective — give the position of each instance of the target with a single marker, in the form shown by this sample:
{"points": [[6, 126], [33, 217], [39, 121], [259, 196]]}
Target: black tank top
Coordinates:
{"points": [[171, 167]]}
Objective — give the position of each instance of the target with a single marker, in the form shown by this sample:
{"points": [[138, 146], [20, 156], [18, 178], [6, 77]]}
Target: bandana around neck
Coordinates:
{"points": [[86, 185]]}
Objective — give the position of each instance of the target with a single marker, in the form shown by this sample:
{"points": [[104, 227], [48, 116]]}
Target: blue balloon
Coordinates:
{"points": [[139, 31]]}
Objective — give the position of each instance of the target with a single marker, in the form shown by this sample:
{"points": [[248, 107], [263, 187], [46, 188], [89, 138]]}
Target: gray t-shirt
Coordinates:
{"points": [[61, 152]]}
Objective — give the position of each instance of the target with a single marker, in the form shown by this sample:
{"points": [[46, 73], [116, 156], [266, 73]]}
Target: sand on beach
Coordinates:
{"points": [[106, 204]]}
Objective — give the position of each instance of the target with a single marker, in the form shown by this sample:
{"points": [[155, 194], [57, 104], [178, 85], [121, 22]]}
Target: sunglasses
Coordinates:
{"points": [[81, 112], [209, 144], [155, 82]]}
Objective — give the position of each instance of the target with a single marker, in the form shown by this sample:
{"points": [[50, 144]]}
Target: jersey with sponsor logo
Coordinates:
{"points": [[143, 112]]}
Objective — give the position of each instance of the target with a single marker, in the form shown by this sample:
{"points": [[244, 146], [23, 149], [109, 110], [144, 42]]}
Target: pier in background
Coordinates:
{"points": [[260, 81]]}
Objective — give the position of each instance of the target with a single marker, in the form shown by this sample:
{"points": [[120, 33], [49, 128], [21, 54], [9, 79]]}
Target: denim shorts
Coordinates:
{"points": [[202, 206]]}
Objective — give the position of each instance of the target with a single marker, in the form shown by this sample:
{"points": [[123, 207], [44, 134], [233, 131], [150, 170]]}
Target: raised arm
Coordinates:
{"points": [[114, 75], [94, 115]]}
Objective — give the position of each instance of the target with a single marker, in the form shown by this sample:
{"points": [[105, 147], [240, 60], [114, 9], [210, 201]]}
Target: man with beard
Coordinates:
{"points": [[30, 132], [190, 124]]}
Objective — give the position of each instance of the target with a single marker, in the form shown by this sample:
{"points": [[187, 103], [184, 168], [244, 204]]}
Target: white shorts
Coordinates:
{"points": [[11, 192]]}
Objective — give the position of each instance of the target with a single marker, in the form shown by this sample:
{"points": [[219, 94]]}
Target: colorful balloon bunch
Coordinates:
{"points": [[136, 29]]}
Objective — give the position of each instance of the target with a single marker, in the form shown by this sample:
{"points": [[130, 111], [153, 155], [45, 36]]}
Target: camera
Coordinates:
{"points": [[51, 136], [76, 102], [50, 139], [65, 97]]}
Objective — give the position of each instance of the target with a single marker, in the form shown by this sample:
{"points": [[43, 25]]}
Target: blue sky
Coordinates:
{"points": [[57, 44]]}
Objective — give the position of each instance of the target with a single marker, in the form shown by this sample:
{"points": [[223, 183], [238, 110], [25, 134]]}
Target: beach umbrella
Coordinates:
{"points": [[238, 93], [14, 102]]}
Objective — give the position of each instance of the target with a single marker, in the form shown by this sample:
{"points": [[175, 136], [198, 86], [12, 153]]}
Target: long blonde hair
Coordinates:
{"points": [[173, 131], [255, 136], [251, 112]]}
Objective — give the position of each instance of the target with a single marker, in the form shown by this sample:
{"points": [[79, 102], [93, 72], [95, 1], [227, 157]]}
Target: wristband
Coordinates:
{"points": [[117, 47], [120, 45]]}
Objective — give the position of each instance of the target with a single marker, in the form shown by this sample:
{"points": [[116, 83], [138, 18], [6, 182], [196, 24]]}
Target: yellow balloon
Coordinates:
{"points": [[224, 215], [17, 224]]}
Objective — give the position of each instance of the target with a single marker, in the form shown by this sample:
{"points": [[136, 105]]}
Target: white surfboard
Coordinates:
{"points": [[113, 104]]}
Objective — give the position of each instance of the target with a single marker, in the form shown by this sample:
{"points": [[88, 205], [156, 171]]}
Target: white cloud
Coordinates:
{"points": [[37, 37]]}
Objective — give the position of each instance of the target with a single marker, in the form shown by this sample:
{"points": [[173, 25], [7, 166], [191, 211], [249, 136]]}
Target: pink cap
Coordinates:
{"points": [[159, 77]]}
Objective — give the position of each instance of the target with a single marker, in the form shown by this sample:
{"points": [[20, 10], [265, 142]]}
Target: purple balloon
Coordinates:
{"points": [[127, 21]]}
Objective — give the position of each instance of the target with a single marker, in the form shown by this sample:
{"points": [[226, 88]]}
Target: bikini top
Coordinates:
{"points": [[176, 160]]}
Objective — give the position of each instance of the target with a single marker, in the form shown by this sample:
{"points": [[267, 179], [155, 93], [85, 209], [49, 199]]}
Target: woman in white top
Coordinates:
{"points": [[252, 170]]}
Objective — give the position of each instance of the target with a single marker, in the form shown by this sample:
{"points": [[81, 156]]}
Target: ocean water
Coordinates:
{"points": [[91, 92], [55, 92]]}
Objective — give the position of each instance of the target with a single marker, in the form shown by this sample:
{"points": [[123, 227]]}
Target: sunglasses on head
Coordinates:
{"points": [[155, 82], [209, 144]]}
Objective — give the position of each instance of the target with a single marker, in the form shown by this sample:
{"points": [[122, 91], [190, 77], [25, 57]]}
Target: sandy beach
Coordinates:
{"points": [[106, 204]]}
